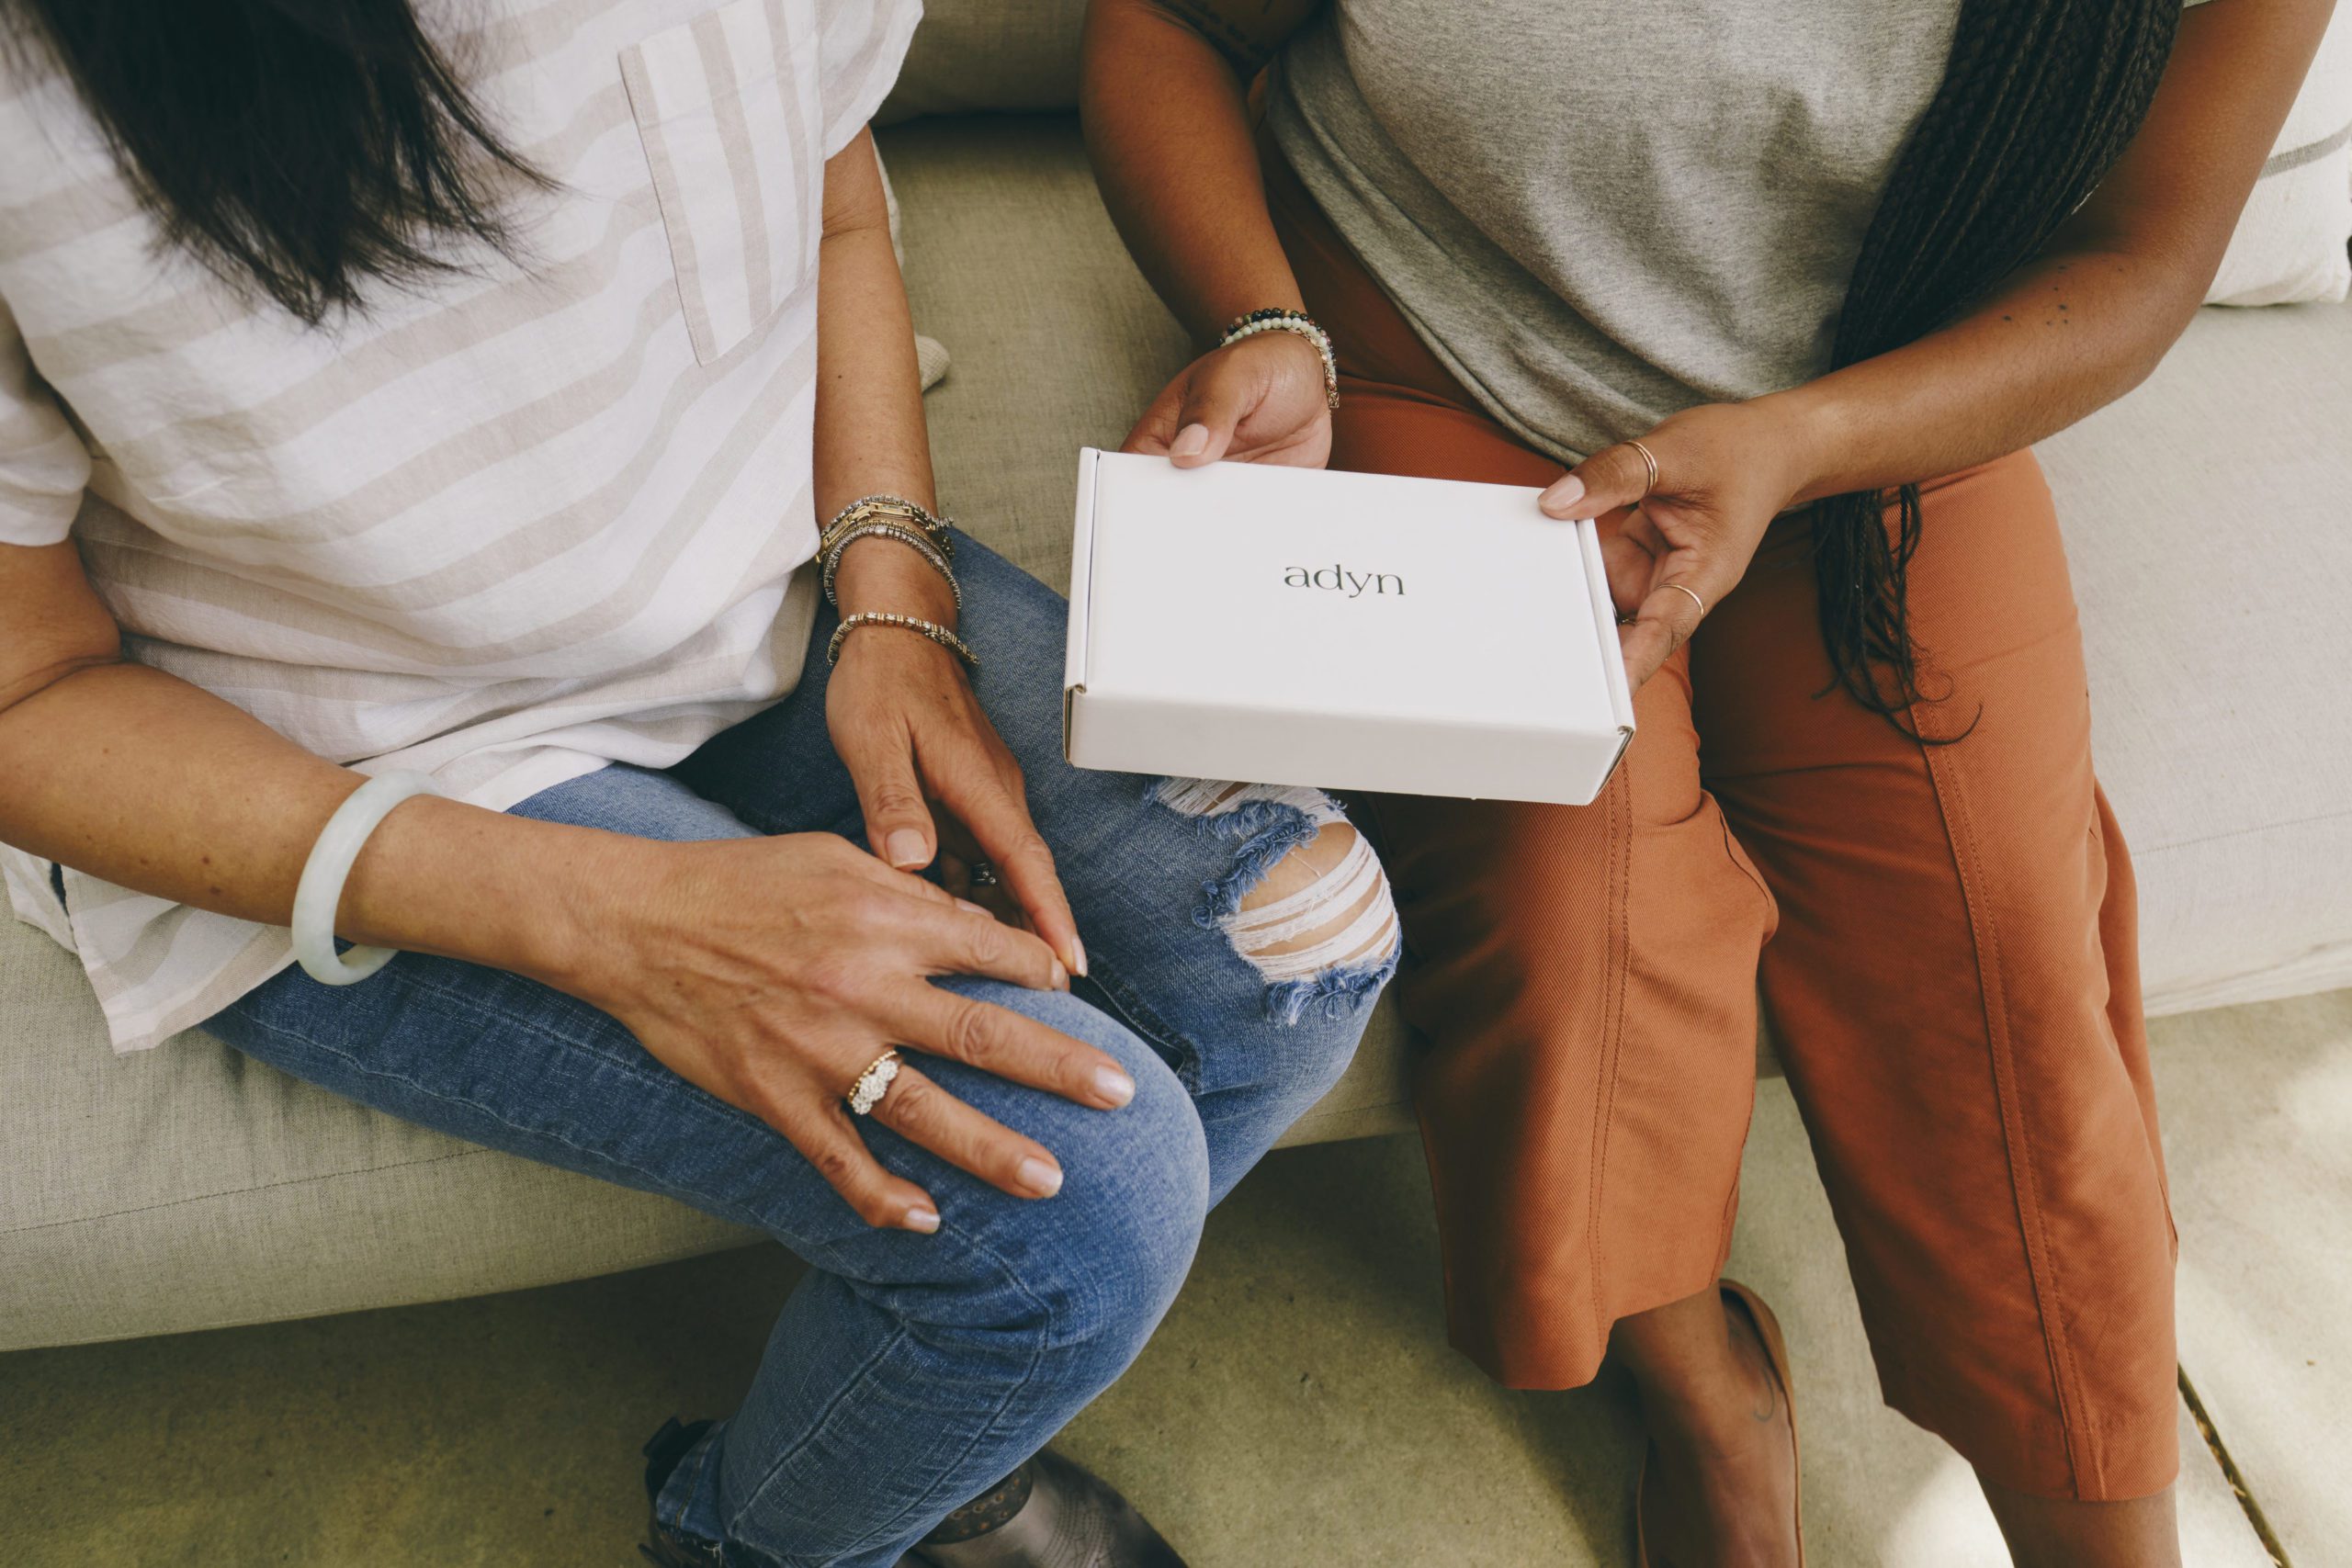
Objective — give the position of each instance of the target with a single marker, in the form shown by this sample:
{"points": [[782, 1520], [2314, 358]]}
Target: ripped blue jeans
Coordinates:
{"points": [[908, 1373]]}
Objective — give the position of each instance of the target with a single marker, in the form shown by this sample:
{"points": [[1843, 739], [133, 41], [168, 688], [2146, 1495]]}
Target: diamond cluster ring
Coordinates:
{"points": [[873, 1083]]}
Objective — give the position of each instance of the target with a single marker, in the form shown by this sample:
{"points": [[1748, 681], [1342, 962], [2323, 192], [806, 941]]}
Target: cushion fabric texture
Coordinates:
{"points": [[188, 1187]]}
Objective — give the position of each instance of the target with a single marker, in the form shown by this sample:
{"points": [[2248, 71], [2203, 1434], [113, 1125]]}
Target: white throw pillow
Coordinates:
{"points": [[2291, 240]]}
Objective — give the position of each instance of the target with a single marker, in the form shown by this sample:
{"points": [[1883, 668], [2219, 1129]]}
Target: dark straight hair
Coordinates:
{"points": [[299, 147], [2037, 101]]}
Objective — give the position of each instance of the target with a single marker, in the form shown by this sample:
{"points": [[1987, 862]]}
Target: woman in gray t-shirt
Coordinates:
{"points": [[1788, 293]]}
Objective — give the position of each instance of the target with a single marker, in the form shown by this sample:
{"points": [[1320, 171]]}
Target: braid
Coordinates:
{"points": [[2037, 103]]}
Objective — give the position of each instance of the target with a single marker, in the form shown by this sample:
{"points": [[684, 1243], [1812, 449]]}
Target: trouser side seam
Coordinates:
{"points": [[1604, 1097], [2042, 1268]]}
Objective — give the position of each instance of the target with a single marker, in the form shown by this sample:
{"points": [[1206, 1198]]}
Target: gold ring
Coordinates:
{"points": [[1649, 462], [873, 1083], [1694, 598]]}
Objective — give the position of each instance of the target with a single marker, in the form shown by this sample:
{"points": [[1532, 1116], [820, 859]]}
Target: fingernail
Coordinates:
{"points": [[1565, 492], [971, 908], [1114, 1085], [926, 1220], [1040, 1178], [1191, 442], [1076, 956], [1061, 976], [904, 849]]}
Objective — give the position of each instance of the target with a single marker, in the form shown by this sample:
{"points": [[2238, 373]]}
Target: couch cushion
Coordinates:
{"points": [[2206, 522], [186, 1187], [990, 54]]}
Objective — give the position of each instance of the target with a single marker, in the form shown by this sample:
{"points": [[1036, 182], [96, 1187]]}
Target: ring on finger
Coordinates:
{"points": [[873, 1083], [1649, 464], [982, 874], [1693, 596]]}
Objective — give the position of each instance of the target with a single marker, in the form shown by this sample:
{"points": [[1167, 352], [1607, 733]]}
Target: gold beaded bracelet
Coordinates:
{"points": [[931, 630], [897, 509]]}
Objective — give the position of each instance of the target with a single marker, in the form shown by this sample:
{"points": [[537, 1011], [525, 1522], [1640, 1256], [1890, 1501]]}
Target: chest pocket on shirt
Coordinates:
{"points": [[730, 106]]}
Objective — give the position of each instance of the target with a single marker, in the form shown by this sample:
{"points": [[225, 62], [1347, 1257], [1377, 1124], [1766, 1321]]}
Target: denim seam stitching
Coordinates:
{"points": [[1012, 1281], [702, 1463]]}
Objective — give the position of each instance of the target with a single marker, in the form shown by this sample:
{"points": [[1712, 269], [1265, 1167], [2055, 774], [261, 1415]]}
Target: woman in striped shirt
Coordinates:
{"points": [[461, 399]]}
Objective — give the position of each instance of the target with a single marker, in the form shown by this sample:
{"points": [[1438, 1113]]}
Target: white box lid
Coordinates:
{"points": [[1427, 607]]}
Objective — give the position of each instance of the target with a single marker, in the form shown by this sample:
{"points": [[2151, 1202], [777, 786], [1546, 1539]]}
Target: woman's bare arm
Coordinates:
{"points": [[1163, 94], [1164, 90], [138, 777], [2089, 320]]}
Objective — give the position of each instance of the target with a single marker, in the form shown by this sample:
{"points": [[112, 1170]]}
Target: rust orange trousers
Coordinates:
{"points": [[1943, 937]]}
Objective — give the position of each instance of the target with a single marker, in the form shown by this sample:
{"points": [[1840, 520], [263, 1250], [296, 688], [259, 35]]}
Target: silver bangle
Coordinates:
{"points": [[878, 528]]}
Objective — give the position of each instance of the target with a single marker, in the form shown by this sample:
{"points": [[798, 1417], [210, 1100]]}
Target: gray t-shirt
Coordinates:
{"points": [[1597, 214]]}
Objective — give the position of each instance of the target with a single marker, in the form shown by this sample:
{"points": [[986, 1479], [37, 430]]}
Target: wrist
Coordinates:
{"points": [[880, 573], [1806, 435], [545, 900]]}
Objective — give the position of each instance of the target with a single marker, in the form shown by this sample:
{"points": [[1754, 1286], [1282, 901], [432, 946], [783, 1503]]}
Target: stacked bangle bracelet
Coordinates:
{"points": [[889, 517], [1277, 319], [877, 529], [909, 524], [931, 630]]}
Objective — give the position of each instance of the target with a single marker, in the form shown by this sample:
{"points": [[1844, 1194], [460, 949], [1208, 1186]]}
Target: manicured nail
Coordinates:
{"points": [[1061, 976], [1191, 442], [904, 849], [925, 1221], [1040, 1178], [1565, 492], [1114, 1085], [1076, 956], [971, 908]]}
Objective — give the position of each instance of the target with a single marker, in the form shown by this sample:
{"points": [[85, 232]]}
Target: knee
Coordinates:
{"points": [[1305, 903], [1112, 1247], [1088, 1272]]}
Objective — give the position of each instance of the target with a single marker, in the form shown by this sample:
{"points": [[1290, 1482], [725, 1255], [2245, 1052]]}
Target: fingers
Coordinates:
{"points": [[956, 875], [1668, 617], [1157, 428], [971, 938], [897, 822], [828, 1140], [1612, 477], [923, 1113], [1215, 397], [998, 819], [1020, 1050]]}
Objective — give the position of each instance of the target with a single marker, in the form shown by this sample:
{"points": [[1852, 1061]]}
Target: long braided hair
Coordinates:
{"points": [[2038, 102]]}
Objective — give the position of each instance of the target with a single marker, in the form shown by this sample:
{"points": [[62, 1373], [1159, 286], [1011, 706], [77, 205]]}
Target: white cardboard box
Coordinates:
{"points": [[1355, 631]]}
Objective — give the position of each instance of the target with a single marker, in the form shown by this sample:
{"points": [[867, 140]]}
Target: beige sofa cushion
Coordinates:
{"points": [[990, 54], [188, 1187]]}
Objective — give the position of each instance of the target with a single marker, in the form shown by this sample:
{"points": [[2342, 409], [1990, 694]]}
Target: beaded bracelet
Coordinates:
{"points": [[1276, 319], [931, 630], [898, 508], [919, 542]]}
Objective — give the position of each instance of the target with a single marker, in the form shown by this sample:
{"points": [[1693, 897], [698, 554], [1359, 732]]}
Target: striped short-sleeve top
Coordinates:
{"points": [[544, 512]]}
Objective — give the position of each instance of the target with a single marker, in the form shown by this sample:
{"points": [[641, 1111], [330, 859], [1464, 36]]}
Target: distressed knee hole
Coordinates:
{"points": [[1305, 901]]}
